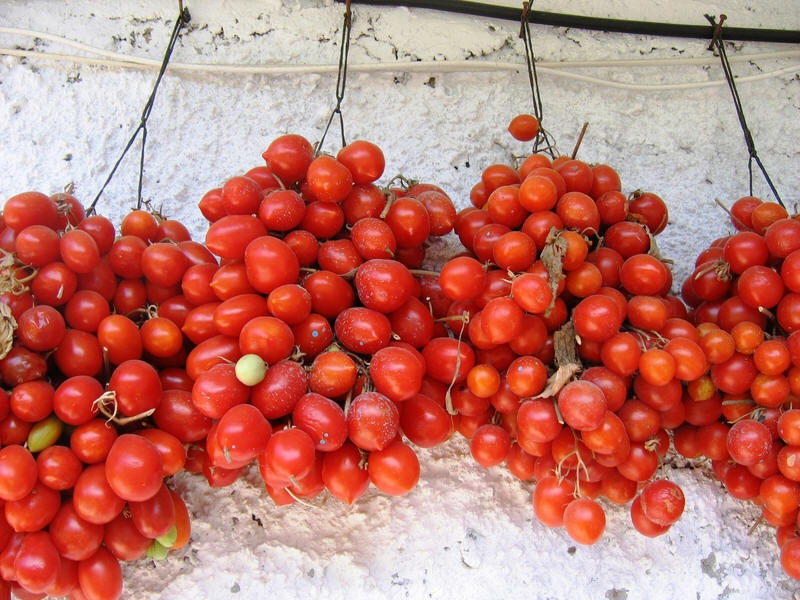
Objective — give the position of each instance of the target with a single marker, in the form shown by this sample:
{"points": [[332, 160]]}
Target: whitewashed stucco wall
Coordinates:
{"points": [[462, 532]]}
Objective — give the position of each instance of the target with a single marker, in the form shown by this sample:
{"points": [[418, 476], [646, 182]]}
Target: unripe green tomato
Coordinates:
{"points": [[168, 539], [157, 551], [45, 433], [250, 369]]}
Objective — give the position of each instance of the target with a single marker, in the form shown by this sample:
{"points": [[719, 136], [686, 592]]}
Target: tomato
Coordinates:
{"points": [[596, 318], [424, 421], [584, 520], [37, 561], [524, 127], [384, 285], [212, 351], [37, 245], [289, 453], [93, 498], [29, 208], [396, 372], [582, 405], [176, 414], [283, 385], [363, 330], [363, 159], [164, 264], [79, 353], [18, 472], [642, 274], [550, 499], [409, 221], [269, 263], [662, 502], [282, 210], [182, 522], [100, 576], [288, 157], [642, 524], [217, 390], [395, 469], [243, 432], [343, 473], [35, 510], [155, 516], [123, 539], [91, 441], [133, 468], [448, 360], [229, 236], [161, 337], [74, 537], [79, 251], [322, 419], [170, 449], [749, 442], [490, 445], [373, 421], [58, 467], [649, 209]]}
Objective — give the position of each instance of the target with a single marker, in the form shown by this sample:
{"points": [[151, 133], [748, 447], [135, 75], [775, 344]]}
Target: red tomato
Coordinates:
{"points": [[133, 468]]}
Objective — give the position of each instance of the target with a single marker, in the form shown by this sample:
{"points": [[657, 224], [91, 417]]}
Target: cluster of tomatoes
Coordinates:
{"points": [[82, 475], [303, 335], [311, 342], [575, 354], [745, 298]]}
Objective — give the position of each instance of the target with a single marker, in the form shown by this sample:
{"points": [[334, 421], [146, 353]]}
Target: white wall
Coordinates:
{"points": [[436, 126]]}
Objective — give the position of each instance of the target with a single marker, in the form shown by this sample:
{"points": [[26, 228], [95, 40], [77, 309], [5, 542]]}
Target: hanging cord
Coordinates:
{"points": [[183, 19], [718, 44], [543, 141], [341, 79]]}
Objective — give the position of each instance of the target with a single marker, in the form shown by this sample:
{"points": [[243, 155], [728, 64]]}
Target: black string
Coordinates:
{"points": [[341, 80], [183, 18], [543, 142], [718, 43]]}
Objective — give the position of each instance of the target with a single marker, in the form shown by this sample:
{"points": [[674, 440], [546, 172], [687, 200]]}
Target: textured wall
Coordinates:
{"points": [[63, 122]]}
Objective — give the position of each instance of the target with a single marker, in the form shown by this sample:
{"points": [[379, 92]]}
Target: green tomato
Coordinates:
{"points": [[251, 369], [168, 539], [45, 433], [157, 551]]}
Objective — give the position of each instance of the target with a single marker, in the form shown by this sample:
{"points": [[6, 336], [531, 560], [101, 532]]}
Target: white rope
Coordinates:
{"points": [[558, 69]]}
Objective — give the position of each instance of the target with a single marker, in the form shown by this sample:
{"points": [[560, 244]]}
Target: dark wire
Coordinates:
{"points": [[542, 142], [719, 44], [538, 17], [341, 79], [183, 18]]}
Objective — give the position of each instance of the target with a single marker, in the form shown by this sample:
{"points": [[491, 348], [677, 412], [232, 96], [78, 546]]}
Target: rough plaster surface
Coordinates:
{"points": [[463, 532]]}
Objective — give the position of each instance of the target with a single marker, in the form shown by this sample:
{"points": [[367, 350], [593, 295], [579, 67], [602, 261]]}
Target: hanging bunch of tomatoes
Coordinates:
{"points": [[292, 337], [745, 298], [309, 337], [81, 469], [577, 354], [303, 337]]}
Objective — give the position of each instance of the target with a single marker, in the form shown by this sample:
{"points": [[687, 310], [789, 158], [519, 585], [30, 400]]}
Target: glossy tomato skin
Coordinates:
{"points": [[322, 419], [37, 561], [288, 157], [372, 421], [395, 469], [343, 473], [363, 159], [100, 576], [74, 537], [270, 263], [93, 498], [133, 468]]}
